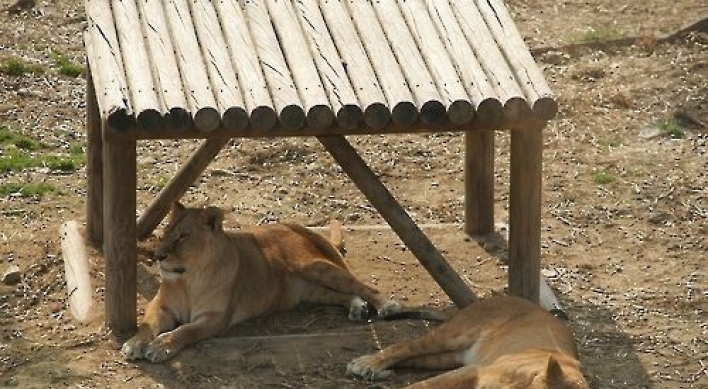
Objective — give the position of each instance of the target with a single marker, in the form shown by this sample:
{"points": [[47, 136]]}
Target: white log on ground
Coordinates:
{"points": [[76, 271]]}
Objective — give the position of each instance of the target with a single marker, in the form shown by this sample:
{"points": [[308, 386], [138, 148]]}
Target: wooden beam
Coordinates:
{"points": [[119, 240], [192, 169], [94, 167], [76, 271], [479, 182], [398, 219], [525, 212]]}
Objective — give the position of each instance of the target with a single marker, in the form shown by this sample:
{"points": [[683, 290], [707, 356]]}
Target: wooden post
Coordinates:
{"points": [[419, 244], [525, 212], [479, 182], [94, 167], [119, 240], [191, 170]]}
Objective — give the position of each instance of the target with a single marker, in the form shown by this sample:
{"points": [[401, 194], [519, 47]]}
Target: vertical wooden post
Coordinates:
{"points": [[479, 182], [525, 212], [94, 167], [119, 233]]}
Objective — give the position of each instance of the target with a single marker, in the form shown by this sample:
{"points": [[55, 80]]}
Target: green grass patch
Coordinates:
{"points": [[27, 190], [13, 160], [66, 66], [23, 142], [598, 34], [161, 182], [672, 129], [14, 66], [603, 178]]}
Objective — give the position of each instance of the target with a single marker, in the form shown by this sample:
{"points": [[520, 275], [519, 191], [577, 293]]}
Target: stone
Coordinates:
{"points": [[12, 275]]}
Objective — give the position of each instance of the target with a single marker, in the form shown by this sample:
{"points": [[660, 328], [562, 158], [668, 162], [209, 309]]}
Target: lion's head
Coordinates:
{"points": [[189, 239]]}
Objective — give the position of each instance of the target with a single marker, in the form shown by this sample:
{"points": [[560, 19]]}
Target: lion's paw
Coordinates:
{"points": [[368, 367], [389, 308], [134, 348], [358, 309], [159, 350]]}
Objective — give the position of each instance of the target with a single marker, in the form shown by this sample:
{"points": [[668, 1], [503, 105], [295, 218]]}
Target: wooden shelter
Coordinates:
{"points": [[219, 69]]}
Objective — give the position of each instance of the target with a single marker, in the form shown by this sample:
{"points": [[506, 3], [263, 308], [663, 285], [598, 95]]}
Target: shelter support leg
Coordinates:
{"points": [[525, 212], [119, 237], [419, 244], [190, 171], [479, 182], [94, 168]]}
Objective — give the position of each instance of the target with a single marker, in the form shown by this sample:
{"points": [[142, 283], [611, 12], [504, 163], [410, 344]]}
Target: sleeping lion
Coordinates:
{"points": [[212, 279], [503, 342]]}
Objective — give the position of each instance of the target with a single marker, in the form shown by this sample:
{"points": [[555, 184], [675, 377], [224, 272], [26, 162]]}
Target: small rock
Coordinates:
{"points": [[12, 275], [650, 133]]}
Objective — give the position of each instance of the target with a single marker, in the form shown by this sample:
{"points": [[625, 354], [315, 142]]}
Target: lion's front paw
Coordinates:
{"points": [[358, 309], [368, 367], [134, 348], [160, 349]]}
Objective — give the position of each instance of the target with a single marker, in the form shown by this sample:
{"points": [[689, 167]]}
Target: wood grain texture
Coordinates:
{"points": [[192, 67], [136, 64], [404, 109], [427, 97], [94, 167], [242, 51], [342, 98], [302, 67], [119, 238], [356, 64], [479, 182], [106, 66], [277, 75], [222, 75], [76, 271], [528, 74], [491, 58], [165, 71], [432, 49], [525, 212]]}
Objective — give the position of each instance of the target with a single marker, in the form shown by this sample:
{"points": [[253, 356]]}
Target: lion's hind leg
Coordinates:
{"points": [[326, 274]]}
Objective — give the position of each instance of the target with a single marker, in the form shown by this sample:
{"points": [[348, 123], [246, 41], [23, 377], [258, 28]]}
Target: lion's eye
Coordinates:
{"points": [[182, 237]]}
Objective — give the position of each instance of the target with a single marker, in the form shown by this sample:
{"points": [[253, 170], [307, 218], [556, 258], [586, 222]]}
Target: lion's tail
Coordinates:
{"points": [[335, 235]]}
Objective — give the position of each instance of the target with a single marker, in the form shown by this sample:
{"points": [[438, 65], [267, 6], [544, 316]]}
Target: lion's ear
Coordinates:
{"points": [[553, 369], [214, 218], [175, 210]]}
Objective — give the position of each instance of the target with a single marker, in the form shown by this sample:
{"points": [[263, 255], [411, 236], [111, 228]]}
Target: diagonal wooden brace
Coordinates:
{"points": [[398, 219]]}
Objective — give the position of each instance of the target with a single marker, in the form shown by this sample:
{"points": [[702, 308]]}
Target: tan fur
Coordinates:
{"points": [[212, 280], [502, 342]]}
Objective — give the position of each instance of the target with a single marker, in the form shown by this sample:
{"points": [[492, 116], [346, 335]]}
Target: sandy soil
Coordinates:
{"points": [[625, 215]]}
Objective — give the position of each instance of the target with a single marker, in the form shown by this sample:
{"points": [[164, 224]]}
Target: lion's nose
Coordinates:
{"points": [[160, 255]]}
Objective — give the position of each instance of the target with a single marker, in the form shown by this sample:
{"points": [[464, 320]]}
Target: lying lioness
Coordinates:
{"points": [[502, 342], [212, 280]]}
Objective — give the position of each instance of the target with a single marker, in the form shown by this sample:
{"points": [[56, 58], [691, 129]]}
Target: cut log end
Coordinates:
{"points": [[263, 118], [292, 117], [490, 110], [320, 117], [545, 108], [405, 114], [150, 120], [178, 119], [120, 120], [377, 116], [207, 119], [433, 113], [460, 112], [516, 108], [235, 119], [350, 117]]}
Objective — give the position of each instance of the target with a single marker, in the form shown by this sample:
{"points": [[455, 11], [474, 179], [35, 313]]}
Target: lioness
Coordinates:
{"points": [[212, 279], [502, 342]]}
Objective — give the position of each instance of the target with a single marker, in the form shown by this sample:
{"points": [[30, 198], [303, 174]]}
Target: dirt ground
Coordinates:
{"points": [[625, 214]]}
